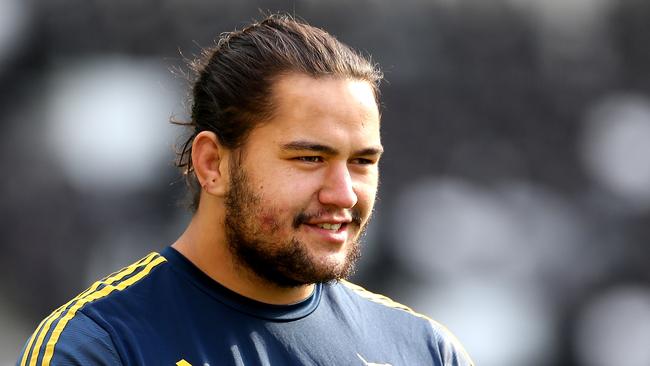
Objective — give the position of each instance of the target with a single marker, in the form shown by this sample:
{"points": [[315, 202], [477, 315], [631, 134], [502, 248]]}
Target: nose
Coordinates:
{"points": [[338, 189]]}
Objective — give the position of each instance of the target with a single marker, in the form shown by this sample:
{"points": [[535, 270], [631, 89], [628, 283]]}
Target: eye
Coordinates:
{"points": [[363, 161], [309, 159]]}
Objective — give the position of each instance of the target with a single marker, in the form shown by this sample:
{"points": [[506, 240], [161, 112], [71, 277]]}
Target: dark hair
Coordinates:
{"points": [[232, 90]]}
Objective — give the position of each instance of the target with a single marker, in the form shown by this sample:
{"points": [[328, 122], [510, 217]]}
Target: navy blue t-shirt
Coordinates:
{"points": [[162, 310]]}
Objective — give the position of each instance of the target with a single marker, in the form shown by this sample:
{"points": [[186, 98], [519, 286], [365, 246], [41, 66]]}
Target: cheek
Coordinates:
{"points": [[269, 223], [366, 193], [273, 217], [295, 192]]}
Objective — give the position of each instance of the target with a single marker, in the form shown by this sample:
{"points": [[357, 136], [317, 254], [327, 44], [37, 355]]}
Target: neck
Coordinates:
{"points": [[204, 243]]}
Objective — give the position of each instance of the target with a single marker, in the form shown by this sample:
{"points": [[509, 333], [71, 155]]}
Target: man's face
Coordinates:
{"points": [[305, 186]]}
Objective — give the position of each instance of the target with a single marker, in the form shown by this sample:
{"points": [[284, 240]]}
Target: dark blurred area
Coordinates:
{"points": [[515, 198]]}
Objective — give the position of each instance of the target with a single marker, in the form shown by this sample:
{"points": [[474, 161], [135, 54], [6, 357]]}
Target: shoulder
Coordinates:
{"points": [[81, 342], [69, 336], [403, 317]]}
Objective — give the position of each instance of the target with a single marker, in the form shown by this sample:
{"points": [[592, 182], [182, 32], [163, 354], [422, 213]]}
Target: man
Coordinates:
{"points": [[284, 158]]}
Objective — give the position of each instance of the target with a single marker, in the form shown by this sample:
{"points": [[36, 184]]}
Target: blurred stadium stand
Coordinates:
{"points": [[515, 195]]}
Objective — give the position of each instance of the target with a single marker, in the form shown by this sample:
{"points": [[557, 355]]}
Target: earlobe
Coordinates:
{"points": [[209, 159]]}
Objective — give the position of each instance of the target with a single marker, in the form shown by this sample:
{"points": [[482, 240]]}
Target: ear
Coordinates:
{"points": [[210, 162]]}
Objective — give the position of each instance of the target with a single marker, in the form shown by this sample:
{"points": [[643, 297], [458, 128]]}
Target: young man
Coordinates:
{"points": [[283, 158]]}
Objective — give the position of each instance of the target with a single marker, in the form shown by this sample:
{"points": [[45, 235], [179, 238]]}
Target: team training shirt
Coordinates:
{"points": [[162, 310]]}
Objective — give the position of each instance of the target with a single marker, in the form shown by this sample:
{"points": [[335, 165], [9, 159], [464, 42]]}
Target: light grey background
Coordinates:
{"points": [[515, 195]]}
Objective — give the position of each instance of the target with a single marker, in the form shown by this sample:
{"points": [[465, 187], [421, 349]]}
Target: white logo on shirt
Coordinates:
{"points": [[372, 363]]}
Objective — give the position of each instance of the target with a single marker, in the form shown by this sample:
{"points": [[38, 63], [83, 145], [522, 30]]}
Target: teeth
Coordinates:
{"points": [[330, 226]]}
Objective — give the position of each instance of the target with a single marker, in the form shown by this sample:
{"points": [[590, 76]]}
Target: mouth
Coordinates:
{"points": [[328, 221], [336, 233], [333, 227]]}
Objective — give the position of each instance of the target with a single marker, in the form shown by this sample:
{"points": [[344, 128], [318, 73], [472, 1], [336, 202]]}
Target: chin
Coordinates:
{"points": [[332, 262], [331, 252]]}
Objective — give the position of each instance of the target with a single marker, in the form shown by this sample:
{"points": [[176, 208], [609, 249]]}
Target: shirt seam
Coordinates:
{"points": [[109, 333]]}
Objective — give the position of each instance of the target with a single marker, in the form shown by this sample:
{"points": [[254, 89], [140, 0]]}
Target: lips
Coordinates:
{"points": [[325, 218], [333, 232]]}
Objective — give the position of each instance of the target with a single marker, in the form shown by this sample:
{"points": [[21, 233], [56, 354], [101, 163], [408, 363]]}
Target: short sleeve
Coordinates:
{"points": [[451, 350], [82, 342]]}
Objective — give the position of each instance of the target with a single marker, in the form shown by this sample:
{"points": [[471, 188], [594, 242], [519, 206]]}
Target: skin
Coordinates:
{"points": [[318, 155]]}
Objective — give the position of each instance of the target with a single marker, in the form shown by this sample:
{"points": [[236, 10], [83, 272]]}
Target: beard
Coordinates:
{"points": [[259, 246]]}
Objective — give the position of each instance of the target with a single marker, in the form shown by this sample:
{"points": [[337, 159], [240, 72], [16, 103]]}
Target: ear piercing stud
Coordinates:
{"points": [[205, 184]]}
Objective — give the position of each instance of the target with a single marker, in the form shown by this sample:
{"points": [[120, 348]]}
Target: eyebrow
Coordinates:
{"points": [[328, 150]]}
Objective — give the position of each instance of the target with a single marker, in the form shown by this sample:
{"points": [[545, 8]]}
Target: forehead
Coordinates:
{"points": [[326, 93], [341, 109]]}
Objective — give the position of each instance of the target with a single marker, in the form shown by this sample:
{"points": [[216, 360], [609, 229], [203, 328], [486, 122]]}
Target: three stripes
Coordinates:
{"points": [[117, 281]]}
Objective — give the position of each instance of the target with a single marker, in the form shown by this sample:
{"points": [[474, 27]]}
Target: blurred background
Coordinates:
{"points": [[515, 195]]}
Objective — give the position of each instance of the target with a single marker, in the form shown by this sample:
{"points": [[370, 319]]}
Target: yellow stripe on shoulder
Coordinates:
{"points": [[381, 299], [386, 301], [67, 311]]}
